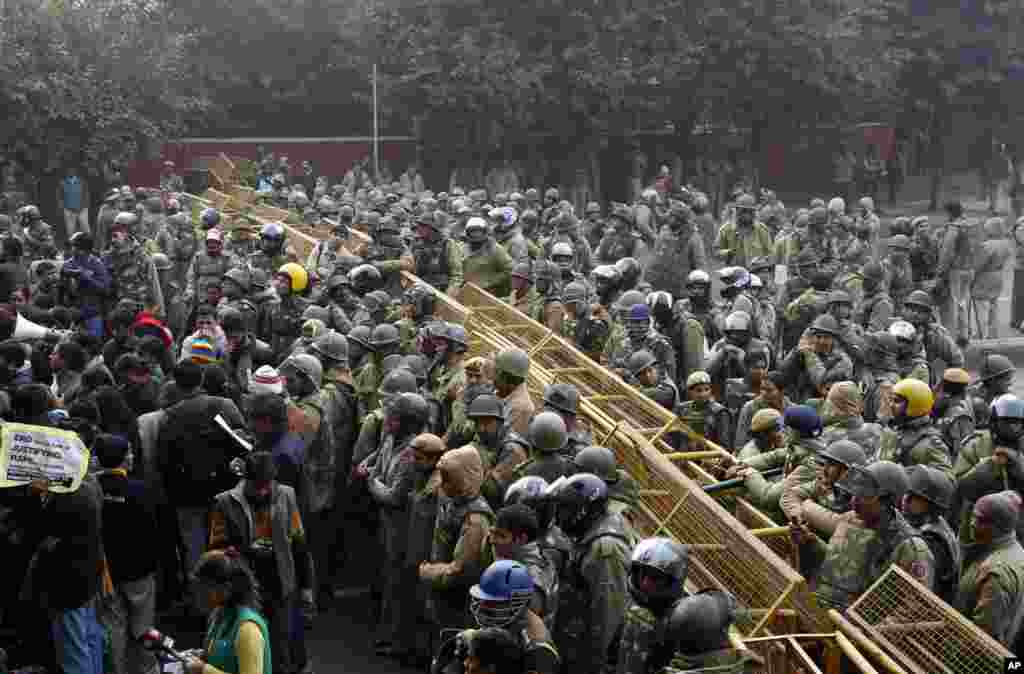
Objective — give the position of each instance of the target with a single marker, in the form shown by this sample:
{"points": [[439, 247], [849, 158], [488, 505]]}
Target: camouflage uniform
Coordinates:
{"points": [[490, 268], [588, 332], [738, 246], [592, 599], [268, 263], [812, 371], [991, 590], [454, 516], [708, 419], [286, 324], [676, 254], [620, 347], [134, 277], [440, 263], [823, 246], [614, 246], [946, 550], [799, 466], [939, 345], [866, 434], [856, 557], [875, 311], [956, 423], [917, 442], [205, 272], [899, 280]]}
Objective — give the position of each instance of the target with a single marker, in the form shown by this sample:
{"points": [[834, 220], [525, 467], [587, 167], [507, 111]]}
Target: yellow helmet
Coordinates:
{"points": [[298, 276], [918, 396]]}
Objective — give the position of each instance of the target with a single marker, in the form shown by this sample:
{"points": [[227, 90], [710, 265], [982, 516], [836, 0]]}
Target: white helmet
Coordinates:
{"points": [[837, 205]]}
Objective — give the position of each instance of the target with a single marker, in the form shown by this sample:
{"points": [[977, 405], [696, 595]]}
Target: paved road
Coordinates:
{"points": [[341, 641]]}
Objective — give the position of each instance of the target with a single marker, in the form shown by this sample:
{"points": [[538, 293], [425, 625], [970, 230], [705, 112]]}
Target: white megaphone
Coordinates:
{"points": [[25, 330]]}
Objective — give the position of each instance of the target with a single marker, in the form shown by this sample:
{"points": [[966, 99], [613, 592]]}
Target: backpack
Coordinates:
{"points": [[970, 240], [196, 452]]}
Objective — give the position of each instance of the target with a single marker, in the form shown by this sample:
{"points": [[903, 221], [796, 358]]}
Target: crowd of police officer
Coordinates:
{"points": [[840, 397]]}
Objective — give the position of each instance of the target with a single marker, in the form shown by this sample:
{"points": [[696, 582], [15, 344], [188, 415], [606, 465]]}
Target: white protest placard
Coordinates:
{"points": [[30, 453]]}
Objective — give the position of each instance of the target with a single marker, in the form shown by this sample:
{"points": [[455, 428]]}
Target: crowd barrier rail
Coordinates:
{"points": [[743, 551]]}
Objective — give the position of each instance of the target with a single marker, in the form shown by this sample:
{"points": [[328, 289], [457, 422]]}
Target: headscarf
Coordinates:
{"points": [[1001, 511], [845, 400], [465, 470]]}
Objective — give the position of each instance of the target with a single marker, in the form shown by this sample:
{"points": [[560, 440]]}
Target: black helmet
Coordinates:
{"points": [[700, 623], [485, 406], [531, 492], [384, 337], [365, 278], [930, 484], [412, 411], [666, 559], [562, 397], [579, 501], [846, 453], [599, 461]]}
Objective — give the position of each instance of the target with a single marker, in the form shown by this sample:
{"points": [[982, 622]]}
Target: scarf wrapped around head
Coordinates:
{"points": [[845, 400], [1001, 511]]}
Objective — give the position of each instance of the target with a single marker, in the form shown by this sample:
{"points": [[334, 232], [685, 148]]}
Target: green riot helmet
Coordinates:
{"points": [[640, 361], [512, 363], [700, 623], [547, 432], [930, 484], [385, 339], [486, 406], [599, 461], [332, 348], [846, 453], [883, 479]]}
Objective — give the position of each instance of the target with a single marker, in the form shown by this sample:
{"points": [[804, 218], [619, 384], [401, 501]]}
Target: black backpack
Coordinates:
{"points": [[196, 452]]}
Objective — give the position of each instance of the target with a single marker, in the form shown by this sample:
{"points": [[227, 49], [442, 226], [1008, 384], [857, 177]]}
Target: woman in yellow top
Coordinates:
{"points": [[237, 641]]}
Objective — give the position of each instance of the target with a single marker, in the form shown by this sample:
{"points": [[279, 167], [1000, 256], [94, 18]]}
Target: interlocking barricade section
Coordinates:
{"points": [[922, 632], [725, 554], [785, 654]]}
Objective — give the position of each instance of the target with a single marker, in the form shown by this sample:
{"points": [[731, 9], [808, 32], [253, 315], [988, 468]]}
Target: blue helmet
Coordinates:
{"points": [[210, 217], [1007, 419], [531, 491], [804, 420], [502, 595]]}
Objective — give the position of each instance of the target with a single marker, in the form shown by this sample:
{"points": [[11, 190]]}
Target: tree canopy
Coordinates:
{"points": [[97, 80]]}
